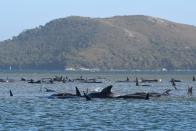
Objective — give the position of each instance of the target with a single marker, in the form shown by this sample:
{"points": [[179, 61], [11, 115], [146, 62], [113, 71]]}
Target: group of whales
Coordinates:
{"points": [[107, 93]]}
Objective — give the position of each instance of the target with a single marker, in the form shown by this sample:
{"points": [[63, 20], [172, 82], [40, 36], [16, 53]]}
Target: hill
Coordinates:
{"points": [[120, 42]]}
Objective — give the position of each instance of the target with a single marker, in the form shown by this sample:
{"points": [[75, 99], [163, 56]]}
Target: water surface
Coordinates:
{"points": [[30, 109]]}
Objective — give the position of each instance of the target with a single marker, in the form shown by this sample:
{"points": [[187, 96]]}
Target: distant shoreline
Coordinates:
{"points": [[87, 71]]}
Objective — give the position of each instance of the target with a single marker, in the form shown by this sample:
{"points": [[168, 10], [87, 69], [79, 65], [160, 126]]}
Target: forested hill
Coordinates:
{"points": [[120, 42]]}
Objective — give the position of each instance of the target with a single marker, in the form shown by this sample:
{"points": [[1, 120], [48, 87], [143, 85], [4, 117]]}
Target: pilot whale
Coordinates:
{"points": [[105, 93], [135, 96], [49, 90], [66, 95], [147, 95]]}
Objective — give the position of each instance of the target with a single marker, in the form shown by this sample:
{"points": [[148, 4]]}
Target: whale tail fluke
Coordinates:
{"points": [[173, 83], [88, 98]]}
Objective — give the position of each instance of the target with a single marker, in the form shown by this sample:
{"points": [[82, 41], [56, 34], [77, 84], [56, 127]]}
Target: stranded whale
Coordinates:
{"points": [[105, 93], [66, 95]]}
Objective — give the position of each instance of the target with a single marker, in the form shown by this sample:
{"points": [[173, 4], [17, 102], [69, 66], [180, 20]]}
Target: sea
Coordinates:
{"points": [[30, 109]]}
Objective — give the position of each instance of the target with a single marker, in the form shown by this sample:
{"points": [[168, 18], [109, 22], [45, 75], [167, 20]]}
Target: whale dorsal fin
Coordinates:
{"points": [[77, 92], [11, 94], [107, 90]]}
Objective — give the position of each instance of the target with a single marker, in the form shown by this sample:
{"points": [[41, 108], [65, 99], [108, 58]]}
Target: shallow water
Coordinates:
{"points": [[30, 109]]}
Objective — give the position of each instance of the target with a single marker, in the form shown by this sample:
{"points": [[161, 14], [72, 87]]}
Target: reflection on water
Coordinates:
{"points": [[29, 108]]}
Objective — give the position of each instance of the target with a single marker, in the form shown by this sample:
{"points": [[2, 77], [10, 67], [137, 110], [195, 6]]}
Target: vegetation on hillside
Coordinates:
{"points": [[121, 42]]}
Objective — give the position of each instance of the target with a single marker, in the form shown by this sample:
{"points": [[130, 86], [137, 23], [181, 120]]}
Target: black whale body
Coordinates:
{"points": [[66, 95], [49, 90], [105, 93], [135, 96], [34, 82], [154, 94]]}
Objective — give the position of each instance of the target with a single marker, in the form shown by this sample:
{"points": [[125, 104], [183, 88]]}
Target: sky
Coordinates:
{"points": [[18, 15]]}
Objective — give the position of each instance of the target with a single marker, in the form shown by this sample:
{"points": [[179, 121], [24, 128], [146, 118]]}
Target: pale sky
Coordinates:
{"points": [[18, 15]]}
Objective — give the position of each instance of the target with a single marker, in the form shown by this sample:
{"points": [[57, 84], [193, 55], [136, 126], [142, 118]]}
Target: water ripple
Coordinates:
{"points": [[29, 109]]}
